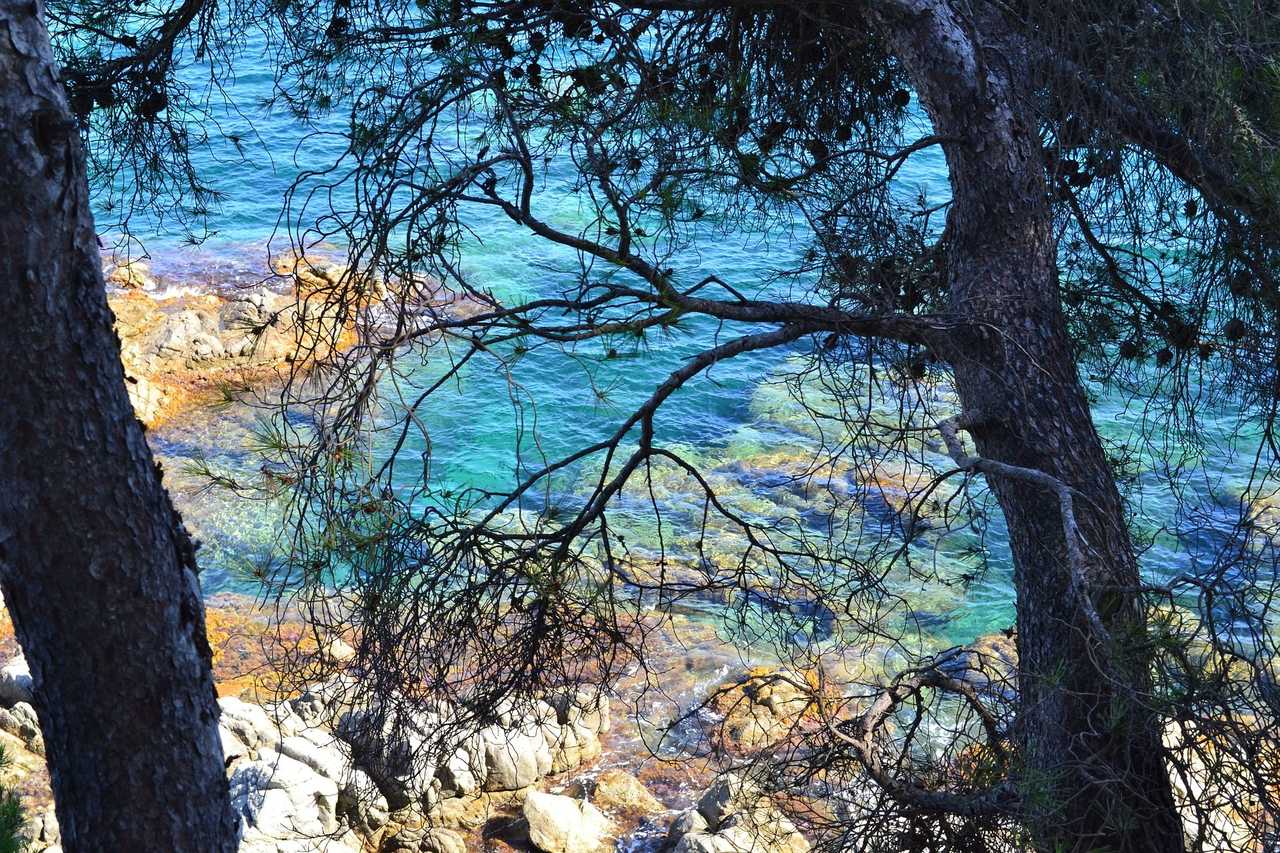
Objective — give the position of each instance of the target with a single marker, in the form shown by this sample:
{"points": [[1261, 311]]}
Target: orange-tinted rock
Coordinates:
{"points": [[619, 794], [763, 708], [182, 350], [131, 275]]}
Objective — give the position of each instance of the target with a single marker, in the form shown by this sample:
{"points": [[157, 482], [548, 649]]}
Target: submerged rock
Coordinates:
{"points": [[762, 708], [989, 664]]}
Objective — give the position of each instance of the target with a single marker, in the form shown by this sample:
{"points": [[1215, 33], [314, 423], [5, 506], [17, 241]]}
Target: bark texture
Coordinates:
{"points": [[1093, 776], [95, 565]]}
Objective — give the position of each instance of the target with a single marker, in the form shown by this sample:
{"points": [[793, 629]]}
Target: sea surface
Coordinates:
{"points": [[738, 420]]}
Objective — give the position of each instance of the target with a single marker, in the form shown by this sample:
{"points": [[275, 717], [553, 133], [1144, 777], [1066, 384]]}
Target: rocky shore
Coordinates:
{"points": [[182, 342], [315, 773], [180, 346], [327, 769]]}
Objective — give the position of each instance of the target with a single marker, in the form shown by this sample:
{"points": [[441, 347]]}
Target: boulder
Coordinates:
{"points": [[283, 799], [761, 708], [309, 273], [688, 822], [989, 664], [407, 828], [259, 325], [559, 824], [41, 830], [250, 310], [516, 758], [233, 749], [317, 273], [763, 829], [176, 348], [735, 816], [254, 842], [466, 770], [728, 795], [248, 723], [283, 716], [133, 275], [320, 751], [394, 747], [148, 399], [590, 708], [325, 703], [186, 332], [1228, 811], [702, 842], [337, 651], [206, 347], [21, 722], [15, 683], [777, 836], [471, 811], [617, 791], [440, 840], [362, 804], [572, 745]]}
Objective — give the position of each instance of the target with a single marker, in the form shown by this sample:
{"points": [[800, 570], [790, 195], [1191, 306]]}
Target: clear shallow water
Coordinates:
{"points": [[736, 422]]}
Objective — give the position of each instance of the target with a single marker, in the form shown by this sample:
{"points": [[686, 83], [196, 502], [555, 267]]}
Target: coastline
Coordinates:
{"points": [[184, 345]]}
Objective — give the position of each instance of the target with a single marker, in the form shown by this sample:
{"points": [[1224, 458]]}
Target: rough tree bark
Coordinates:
{"points": [[95, 565], [1092, 775]]}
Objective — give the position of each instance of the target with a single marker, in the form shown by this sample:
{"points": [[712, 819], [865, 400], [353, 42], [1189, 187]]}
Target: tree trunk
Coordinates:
{"points": [[97, 570], [1092, 774]]}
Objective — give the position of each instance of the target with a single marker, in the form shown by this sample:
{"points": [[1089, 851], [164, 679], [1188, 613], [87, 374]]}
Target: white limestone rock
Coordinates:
{"points": [[559, 824], [249, 723], [280, 798], [516, 758], [15, 682]]}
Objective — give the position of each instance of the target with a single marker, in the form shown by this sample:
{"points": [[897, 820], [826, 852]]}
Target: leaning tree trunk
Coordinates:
{"points": [[1092, 773], [96, 568]]}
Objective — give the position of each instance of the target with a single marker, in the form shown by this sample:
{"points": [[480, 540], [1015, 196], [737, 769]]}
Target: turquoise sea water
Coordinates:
{"points": [[732, 420]]}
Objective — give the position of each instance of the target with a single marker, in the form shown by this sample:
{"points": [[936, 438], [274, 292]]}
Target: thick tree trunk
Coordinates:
{"points": [[1093, 777], [96, 568]]}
